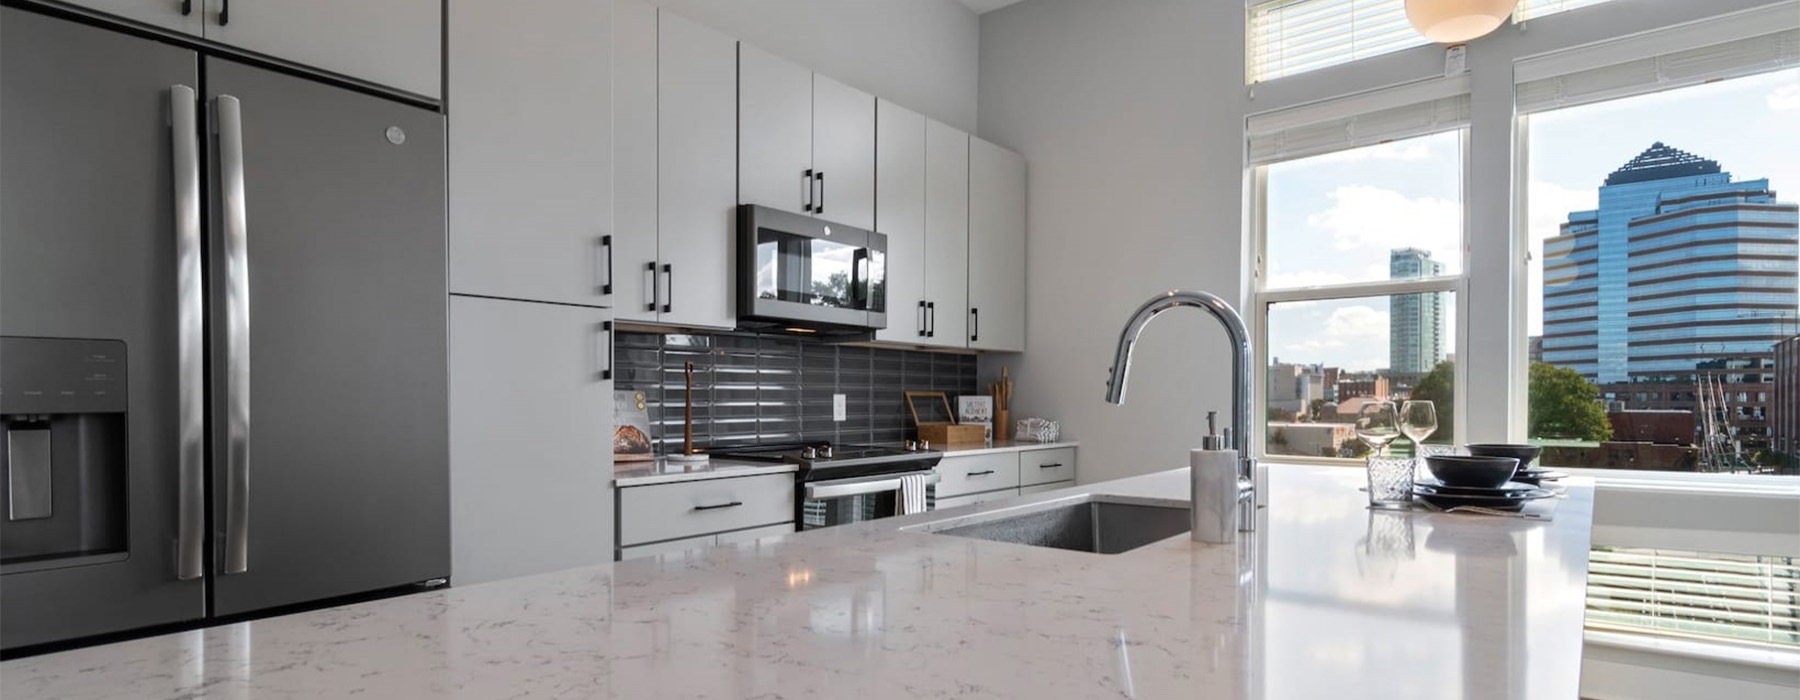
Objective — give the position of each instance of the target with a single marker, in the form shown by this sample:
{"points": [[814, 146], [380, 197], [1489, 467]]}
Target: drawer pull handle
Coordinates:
{"points": [[1050, 466], [732, 504], [984, 473]]}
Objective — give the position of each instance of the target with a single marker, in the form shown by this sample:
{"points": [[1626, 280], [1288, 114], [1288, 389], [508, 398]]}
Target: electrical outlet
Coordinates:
{"points": [[840, 408]]}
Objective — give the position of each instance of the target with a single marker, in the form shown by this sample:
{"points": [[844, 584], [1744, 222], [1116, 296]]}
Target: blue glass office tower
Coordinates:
{"points": [[1678, 266]]}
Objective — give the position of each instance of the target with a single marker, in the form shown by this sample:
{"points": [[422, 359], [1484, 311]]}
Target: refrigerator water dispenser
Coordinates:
{"points": [[63, 411]]}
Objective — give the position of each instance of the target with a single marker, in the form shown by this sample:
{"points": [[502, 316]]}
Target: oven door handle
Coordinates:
{"points": [[844, 488]]}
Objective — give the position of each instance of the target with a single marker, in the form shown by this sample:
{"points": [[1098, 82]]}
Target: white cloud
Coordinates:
{"points": [[1785, 98], [1354, 337], [1309, 278], [1362, 216]]}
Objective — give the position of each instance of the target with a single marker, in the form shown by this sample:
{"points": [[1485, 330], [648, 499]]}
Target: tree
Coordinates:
{"points": [[1315, 410], [1566, 405], [1439, 387]]}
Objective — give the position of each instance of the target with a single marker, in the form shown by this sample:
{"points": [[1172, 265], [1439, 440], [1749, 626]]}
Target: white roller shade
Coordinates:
{"points": [[1729, 46], [1366, 119]]}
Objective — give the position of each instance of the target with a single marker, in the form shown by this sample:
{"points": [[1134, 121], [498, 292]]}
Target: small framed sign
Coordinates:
{"points": [[976, 410]]}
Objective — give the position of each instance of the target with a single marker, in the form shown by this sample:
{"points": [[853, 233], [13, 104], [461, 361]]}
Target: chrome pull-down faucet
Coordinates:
{"points": [[1238, 437]]}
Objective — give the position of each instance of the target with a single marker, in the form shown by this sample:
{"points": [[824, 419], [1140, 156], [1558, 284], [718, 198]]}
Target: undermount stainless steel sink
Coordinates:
{"points": [[1101, 524]]}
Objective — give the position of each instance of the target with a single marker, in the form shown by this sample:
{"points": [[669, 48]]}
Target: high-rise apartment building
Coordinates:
{"points": [[1680, 265], [1415, 321]]}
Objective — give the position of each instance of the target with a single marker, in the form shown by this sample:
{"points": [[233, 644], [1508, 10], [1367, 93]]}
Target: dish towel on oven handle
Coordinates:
{"points": [[912, 494]]}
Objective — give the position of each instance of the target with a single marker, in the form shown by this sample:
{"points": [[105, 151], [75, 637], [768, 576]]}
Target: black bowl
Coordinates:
{"points": [[1479, 472], [1526, 454]]}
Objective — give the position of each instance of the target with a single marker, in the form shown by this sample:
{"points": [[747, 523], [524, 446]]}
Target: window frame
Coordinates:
{"points": [[1262, 298]]}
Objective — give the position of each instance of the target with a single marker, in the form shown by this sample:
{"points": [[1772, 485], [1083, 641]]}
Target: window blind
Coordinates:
{"points": [[1365, 119], [1695, 595], [1295, 36], [1533, 9], [1730, 46]]}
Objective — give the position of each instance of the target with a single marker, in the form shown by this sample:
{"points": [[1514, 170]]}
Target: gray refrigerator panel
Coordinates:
{"points": [[330, 454], [88, 250]]}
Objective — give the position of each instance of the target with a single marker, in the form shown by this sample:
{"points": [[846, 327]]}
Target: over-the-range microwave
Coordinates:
{"points": [[809, 276]]}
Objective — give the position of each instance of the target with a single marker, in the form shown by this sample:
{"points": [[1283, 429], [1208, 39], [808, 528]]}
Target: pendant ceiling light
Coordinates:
{"points": [[1457, 21]]}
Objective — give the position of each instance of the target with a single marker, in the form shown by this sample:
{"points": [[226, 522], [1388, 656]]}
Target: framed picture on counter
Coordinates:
{"points": [[631, 428]]}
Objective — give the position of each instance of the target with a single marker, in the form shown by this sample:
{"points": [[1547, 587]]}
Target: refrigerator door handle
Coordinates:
{"points": [[237, 335], [184, 141]]}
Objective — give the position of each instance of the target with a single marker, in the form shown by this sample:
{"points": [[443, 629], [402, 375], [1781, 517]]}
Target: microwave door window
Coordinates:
{"points": [[833, 273], [875, 276]]}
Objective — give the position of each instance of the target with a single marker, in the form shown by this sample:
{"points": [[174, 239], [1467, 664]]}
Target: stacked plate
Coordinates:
{"points": [[1511, 495]]}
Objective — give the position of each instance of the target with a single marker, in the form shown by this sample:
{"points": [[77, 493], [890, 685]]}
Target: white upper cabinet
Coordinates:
{"points": [[696, 125], [173, 15], [394, 43], [900, 213], [775, 139], [946, 235], [996, 248], [531, 151], [806, 143], [634, 235], [843, 152]]}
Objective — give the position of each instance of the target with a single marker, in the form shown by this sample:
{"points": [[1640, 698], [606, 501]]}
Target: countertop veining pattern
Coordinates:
{"points": [[1328, 599]]}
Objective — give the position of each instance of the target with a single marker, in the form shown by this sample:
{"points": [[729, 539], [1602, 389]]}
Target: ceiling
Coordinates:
{"points": [[980, 6]]}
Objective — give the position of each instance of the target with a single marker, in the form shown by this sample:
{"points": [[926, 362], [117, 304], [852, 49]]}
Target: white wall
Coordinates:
{"points": [[918, 53], [1129, 114]]}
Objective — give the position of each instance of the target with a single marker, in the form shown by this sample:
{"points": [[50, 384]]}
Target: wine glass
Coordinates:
{"points": [[1418, 419], [1377, 424]]}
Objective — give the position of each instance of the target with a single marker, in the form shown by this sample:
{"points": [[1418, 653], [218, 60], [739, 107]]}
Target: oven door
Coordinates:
{"points": [[845, 501], [800, 271]]}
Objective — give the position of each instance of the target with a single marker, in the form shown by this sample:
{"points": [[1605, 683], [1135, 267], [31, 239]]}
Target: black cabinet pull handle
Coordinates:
{"points": [[187, 7], [975, 315], [931, 319], [1050, 466], [819, 205], [606, 287], [985, 473], [607, 373], [921, 318], [655, 286], [732, 504], [806, 184], [224, 12], [669, 280]]}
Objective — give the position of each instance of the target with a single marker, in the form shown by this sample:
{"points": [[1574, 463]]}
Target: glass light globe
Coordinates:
{"points": [[1457, 21]]}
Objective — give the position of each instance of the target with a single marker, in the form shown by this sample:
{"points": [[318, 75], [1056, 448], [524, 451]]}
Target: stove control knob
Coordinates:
{"points": [[810, 453], [912, 446], [826, 453], [924, 444]]}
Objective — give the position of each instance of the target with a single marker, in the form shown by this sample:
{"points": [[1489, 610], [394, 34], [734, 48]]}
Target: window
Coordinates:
{"points": [[1737, 598], [1665, 260], [1287, 37], [1360, 208]]}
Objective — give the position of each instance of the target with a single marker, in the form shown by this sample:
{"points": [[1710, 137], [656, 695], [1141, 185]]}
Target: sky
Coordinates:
{"points": [[1333, 218]]}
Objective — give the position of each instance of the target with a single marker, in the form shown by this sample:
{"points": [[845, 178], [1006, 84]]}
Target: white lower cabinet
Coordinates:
{"points": [[1046, 466], [974, 498], [681, 515], [1040, 488], [530, 451], [977, 473]]}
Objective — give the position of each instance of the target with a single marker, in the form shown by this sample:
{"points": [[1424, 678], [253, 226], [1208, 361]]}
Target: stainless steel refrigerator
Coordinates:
{"points": [[222, 336]]}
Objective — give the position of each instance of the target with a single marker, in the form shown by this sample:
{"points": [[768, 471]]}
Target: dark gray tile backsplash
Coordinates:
{"points": [[770, 388]]}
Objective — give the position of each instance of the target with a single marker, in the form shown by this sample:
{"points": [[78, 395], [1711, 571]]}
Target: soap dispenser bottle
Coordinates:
{"points": [[1213, 490]]}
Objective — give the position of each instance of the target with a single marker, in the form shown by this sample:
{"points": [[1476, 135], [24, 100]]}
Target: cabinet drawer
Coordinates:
{"points": [[1045, 466], [674, 511], [974, 498], [978, 473], [1040, 488]]}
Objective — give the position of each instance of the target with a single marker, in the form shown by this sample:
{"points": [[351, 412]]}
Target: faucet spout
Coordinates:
{"points": [[1238, 437]]}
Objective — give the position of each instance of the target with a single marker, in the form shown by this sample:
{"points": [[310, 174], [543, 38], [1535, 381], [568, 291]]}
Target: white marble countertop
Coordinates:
{"points": [[1000, 446], [665, 471], [1327, 599]]}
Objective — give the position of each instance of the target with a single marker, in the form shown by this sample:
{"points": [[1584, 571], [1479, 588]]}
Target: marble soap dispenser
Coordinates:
{"points": [[1213, 489]]}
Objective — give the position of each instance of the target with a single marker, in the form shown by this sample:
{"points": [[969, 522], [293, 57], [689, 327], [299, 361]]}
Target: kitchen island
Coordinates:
{"points": [[1327, 599]]}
